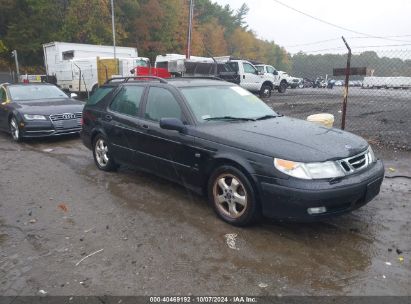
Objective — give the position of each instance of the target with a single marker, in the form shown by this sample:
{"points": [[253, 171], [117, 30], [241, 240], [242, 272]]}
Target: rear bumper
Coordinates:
{"points": [[86, 138], [286, 200]]}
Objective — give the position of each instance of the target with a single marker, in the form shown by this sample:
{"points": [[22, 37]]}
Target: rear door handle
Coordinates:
{"points": [[108, 117]]}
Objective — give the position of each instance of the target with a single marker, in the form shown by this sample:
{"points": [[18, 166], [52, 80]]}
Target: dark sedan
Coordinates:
{"points": [[216, 138], [38, 110]]}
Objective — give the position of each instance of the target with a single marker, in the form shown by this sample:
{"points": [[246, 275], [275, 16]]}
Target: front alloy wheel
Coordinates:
{"points": [[232, 196], [14, 129], [102, 155]]}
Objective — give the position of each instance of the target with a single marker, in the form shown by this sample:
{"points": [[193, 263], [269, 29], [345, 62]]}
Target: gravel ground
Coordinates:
{"points": [[152, 237], [382, 116]]}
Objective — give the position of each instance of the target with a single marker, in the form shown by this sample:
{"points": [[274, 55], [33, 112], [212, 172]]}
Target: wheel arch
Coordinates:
{"points": [[96, 132], [235, 162], [269, 83]]}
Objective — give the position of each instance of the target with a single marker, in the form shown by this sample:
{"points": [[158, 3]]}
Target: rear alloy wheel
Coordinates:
{"points": [[14, 129], [101, 154], [232, 196], [265, 91]]}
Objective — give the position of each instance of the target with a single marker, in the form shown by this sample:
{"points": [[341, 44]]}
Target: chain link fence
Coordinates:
{"points": [[379, 106]]}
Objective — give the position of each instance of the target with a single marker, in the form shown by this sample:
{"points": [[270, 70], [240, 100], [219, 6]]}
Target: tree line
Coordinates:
{"points": [[157, 27], [152, 26], [311, 66]]}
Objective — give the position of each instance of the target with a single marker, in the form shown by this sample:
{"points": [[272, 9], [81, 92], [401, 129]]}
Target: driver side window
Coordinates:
{"points": [[162, 104], [248, 68]]}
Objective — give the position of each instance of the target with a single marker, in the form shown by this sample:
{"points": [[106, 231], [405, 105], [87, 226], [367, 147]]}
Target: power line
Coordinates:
{"points": [[359, 47], [335, 25], [352, 37]]}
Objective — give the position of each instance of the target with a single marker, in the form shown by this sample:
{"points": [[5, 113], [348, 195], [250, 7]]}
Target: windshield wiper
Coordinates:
{"points": [[268, 117], [229, 118]]}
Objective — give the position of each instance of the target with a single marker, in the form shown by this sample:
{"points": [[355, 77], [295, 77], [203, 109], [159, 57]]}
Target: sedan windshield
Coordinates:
{"points": [[225, 103], [35, 92]]}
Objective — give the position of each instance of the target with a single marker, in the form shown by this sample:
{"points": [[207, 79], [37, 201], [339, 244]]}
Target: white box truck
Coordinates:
{"points": [[76, 66]]}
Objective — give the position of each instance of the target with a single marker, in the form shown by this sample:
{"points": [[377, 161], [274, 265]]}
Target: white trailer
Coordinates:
{"points": [[82, 75], [76, 68], [387, 82]]}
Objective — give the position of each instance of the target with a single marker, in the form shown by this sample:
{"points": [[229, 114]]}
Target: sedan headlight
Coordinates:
{"points": [[34, 117], [328, 169]]}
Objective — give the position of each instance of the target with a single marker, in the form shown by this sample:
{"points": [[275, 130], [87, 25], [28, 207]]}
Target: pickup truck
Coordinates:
{"points": [[280, 82], [250, 78]]}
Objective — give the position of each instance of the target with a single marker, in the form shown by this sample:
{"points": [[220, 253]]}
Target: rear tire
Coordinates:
{"points": [[233, 197], [15, 130], [283, 87], [265, 91], [101, 153]]}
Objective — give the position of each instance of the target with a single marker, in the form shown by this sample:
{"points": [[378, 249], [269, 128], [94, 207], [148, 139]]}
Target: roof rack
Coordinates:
{"points": [[126, 79], [200, 77]]}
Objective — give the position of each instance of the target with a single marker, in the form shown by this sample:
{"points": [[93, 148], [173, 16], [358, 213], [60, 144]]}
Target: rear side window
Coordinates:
{"points": [[99, 94], [162, 104], [128, 100], [3, 96]]}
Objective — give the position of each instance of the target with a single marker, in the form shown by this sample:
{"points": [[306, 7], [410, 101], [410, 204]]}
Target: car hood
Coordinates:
{"points": [[286, 138], [52, 106]]}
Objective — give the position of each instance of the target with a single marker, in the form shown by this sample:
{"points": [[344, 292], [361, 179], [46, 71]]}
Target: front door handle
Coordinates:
{"points": [[108, 117], [145, 127]]}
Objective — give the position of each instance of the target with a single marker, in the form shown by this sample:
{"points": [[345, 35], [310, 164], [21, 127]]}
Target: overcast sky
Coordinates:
{"points": [[287, 28]]}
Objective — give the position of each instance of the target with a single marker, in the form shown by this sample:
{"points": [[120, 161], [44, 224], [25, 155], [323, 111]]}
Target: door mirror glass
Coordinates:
{"points": [[172, 124]]}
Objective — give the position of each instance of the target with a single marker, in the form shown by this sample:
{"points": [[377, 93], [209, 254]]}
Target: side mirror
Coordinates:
{"points": [[275, 73], [174, 124], [260, 73], [132, 71], [73, 95]]}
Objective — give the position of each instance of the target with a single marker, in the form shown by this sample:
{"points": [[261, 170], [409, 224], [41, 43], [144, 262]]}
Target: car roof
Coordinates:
{"points": [[26, 84], [177, 82]]}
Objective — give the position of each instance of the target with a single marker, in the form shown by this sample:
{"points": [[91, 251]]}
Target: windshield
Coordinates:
{"points": [[35, 92], [225, 102]]}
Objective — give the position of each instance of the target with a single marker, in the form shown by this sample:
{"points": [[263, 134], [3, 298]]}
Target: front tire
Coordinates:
{"points": [[104, 161], [233, 197], [15, 130]]}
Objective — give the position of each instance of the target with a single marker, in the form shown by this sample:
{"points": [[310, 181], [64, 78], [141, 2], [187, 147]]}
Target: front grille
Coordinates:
{"points": [[66, 121], [355, 163], [65, 116]]}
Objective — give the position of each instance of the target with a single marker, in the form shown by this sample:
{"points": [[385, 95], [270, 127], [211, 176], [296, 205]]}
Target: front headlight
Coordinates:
{"points": [[328, 169], [34, 117], [371, 155]]}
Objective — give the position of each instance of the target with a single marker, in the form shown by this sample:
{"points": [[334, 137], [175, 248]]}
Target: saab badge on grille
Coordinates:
{"points": [[69, 116]]}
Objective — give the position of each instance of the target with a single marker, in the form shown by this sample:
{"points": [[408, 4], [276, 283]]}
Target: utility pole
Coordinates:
{"points": [[347, 79], [113, 26], [190, 29], [14, 54]]}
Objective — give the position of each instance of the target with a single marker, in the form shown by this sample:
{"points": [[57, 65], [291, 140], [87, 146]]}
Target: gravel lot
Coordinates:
{"points": [[382, 116], [153, 237]]}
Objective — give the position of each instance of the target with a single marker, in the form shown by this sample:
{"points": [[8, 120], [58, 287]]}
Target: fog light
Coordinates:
{"points": [[316, 210]]}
